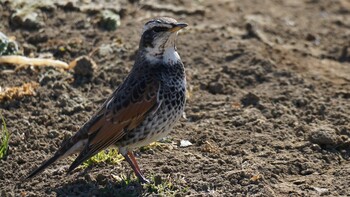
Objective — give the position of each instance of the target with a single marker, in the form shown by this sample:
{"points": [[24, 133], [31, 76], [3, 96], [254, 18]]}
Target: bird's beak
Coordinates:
{"points": [[177, 27]]}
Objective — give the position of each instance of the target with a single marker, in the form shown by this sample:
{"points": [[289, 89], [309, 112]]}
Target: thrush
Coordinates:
{"points": [[143, 109]]}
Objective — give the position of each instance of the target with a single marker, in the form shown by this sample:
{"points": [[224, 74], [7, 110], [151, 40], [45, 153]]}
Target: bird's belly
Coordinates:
{"points": [[149, 139], [154, 127]]}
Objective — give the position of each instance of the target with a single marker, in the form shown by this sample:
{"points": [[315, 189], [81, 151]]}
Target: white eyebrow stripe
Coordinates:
{"points": [[161, 22]]}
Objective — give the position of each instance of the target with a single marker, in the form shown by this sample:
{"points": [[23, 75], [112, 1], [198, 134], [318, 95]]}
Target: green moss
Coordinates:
{"points": [[109, 156], [164, 187], [156, 145], [7, 47]]}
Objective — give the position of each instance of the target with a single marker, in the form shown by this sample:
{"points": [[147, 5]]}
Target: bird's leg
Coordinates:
{"points": [[133, 159], [130, 158]]}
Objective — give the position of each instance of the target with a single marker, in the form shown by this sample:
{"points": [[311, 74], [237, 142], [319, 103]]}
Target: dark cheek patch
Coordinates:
{"points": [[148, 37], [160, 29]]}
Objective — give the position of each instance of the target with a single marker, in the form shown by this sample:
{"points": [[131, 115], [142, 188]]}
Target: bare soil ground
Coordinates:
{"points": [[268, 110]]}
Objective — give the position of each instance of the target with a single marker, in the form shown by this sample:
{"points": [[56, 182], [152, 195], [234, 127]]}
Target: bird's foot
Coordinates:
{"points": [[130, 158], [142, 179]]}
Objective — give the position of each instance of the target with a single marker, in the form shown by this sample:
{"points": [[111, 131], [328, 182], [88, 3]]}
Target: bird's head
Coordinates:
{"points": [[158, 35]]}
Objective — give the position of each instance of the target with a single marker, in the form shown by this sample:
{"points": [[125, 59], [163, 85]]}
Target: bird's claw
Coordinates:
{"points": [[142, 179]]}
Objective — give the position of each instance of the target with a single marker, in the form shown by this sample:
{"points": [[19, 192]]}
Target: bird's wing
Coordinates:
{"points": [[123, 111]]}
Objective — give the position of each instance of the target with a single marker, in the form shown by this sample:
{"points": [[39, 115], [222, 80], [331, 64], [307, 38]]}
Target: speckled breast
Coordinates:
{"points": [[172, 96]]}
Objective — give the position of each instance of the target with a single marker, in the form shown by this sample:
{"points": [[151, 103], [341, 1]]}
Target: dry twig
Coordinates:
{"points": [[21, 60], [12, 93]]}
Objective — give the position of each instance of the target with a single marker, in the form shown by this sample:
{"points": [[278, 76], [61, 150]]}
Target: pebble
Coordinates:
{"points": [[167, 169], [250, 99], [105, 50], [109, 20], [101, 179], [185, 143], [83, 66], [345, 54], [157, 180], [53, 134], [26, 19], [321, 191], [324, 135], [215, 87]]}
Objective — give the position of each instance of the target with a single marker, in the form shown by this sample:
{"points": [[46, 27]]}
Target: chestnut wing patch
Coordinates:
{"points": [[122, 112]]}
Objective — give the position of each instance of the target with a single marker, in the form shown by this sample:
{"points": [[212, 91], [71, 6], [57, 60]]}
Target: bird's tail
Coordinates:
{"points": [[44, 165], [71, 146]]}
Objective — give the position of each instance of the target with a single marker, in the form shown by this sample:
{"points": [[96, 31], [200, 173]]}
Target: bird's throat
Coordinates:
{"points": [[167, 55]]}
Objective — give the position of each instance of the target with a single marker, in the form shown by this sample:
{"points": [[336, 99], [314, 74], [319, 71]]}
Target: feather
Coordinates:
{"points": [[113, 125]]}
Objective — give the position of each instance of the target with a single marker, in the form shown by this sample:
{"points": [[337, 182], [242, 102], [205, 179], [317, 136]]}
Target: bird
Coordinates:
{"points": [[142, 109]]}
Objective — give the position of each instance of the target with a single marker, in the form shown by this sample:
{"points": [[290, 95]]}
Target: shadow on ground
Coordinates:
{"points": [[100, 187]]}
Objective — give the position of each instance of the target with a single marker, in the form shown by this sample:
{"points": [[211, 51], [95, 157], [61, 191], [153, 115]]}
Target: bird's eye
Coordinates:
{"points": [[159, 29]]}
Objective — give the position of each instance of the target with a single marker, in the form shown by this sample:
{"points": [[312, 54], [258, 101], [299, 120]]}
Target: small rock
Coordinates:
{"points": [[89, 178], [343, 93], [205, 187], [250, 99], [28, 49], [2, 174], [321, 191], [310, 37], [215, 87], [299, 182], [83, 66], [300, 102], [49, 77], [185, 143], [313, 38], [109, 20], [53, 134], [37, 38], [256, 177], [316, 147], [167, 169], [72, 110], [325, 135], [232, 56], [27, 19], [345, 54], [101, 179], [105, 50], [20, 160], [209, 147], [157, 180]]}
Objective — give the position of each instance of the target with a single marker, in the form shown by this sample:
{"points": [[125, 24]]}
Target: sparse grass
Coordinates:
{"points": [[129, 186], [164, 187], [110, 156], [160, 145], [5, 136]]}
